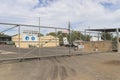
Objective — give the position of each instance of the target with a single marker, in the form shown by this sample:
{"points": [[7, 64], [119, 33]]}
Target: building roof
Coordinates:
{"points": [[104, 30]]}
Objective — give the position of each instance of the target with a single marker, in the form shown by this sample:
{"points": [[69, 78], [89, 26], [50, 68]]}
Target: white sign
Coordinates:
{"points": [[30, 36], [65, 41], [80, 46]]}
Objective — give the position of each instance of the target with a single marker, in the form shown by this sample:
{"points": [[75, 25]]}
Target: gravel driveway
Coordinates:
{"points": [[102, 66]]}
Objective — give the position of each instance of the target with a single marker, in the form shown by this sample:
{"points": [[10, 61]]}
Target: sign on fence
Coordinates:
{"points": [[29, 35]]}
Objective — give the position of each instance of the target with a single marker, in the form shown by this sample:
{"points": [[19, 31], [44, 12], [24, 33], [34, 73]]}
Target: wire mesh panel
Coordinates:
{"points": [[52, 43], [114, 41], [20, 41], [30, 41], [8, 48], [85, 42]]}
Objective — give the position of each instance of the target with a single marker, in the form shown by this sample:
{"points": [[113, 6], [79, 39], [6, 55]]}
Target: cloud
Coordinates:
{"points": [[81, 13]]}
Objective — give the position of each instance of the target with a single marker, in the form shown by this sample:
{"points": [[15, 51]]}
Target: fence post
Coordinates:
{"points": [[69, 28], [118, 45], [19, 40], [56, 36], [85, 36], [39, 40], [105, 35]]}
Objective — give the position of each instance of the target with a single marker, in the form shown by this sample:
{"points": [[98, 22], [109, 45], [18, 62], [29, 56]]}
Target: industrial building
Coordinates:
{"points": [[43, 41]]}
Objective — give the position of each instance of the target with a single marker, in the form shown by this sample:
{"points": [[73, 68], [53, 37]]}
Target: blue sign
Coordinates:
{"points": [[33, 38], [26, 38], [29, 38]]}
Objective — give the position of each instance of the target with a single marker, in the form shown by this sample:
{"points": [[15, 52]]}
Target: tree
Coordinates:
{"points": [[86, 37], [52, 34], [40, 34], [59, 34], [106, 36], [3, 35], [76, 35]]}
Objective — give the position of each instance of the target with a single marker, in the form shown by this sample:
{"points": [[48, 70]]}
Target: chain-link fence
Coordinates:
{"points": [[19, 41], [31, 41]]}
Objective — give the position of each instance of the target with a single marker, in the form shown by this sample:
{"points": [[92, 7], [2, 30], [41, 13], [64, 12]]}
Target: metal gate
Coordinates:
{"points": [[95, 41], [20, 41]]}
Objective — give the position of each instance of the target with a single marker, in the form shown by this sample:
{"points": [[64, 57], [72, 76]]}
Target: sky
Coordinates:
{"points": [[81, 13]]}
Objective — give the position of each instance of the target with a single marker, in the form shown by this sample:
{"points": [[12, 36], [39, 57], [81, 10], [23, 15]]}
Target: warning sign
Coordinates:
{"points": [[30, 35]]}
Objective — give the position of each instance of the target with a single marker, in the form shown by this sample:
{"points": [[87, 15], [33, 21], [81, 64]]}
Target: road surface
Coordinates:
{"points": [[102, 66]]}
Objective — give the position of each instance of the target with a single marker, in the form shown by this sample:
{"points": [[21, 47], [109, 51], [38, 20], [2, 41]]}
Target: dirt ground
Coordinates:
{"points": [[100, 66]]}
